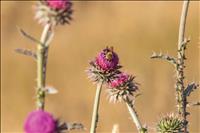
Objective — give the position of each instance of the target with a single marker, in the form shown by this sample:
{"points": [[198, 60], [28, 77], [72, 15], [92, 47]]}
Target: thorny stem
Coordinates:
{"points": [[135, 117], [95, 115], [42, 51], [181, 98]]}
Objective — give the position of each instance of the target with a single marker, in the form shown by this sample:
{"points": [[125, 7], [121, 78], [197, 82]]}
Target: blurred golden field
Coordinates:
{"points": [[135, 29]]}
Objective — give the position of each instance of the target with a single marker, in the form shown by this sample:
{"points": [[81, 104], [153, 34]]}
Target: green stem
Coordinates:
{"points": [[96, 108], [41, 67], [135, 118]]}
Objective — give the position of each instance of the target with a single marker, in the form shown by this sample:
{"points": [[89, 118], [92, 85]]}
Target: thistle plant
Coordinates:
{"points": [[102, 69], [121, 86], [182, 92], [49, 13]]}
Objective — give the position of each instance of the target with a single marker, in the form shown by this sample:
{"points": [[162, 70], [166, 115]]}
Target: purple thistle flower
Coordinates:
{"points": [[105, 66], [120, 80], [53, 11], [58, 4], [122, 87], [40, 122], [107, 59]]}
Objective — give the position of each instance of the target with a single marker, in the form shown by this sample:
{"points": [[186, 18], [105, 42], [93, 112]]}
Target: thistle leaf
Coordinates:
{"points": [[50, 90], [70, 126], [184, 44], [23, 33], [193, 104], [164, 57], [75, 126], [196, 104], [26, 52], [190, 88]]}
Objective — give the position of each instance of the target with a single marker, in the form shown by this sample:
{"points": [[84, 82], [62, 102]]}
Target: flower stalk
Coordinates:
{"points": [[42, 52], [47, 12], [95, 115], [135, 117]]}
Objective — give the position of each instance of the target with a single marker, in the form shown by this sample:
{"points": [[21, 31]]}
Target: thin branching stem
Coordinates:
{"points": [[29, 36], [41, 67], [95, 115], [181, 98], [168, 58]]}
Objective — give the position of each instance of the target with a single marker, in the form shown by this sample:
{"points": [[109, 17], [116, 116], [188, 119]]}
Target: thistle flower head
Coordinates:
{"points": [[170, 124], [119, 81], [107, 59], [40, 122], [122, 87], [53, 11], [105, 66], [57, 4]]}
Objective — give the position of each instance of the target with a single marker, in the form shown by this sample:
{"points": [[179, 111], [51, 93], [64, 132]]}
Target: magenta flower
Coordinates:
{"points": [[53, 11], [105, 66], [120, 80], [40, 122], [122, 87], [107, 59], [58, 4]]}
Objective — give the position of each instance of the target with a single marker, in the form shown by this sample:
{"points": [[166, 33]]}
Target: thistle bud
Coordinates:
{"points": [[53, 11], [170, 124]]}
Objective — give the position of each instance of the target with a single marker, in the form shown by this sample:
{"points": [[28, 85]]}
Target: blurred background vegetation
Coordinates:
{"points": [[135, 29]]}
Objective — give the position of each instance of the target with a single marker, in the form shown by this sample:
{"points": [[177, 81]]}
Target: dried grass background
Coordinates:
{"points": [[135, 29]]}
